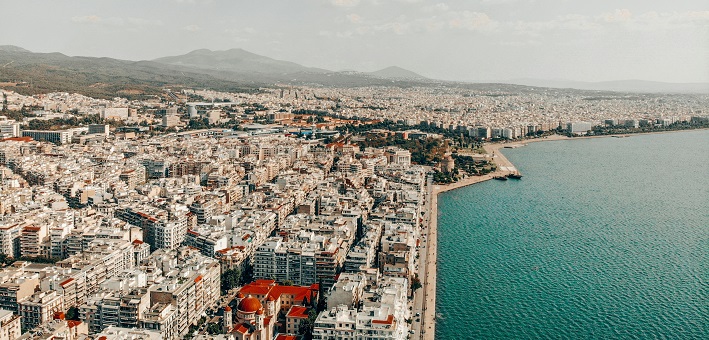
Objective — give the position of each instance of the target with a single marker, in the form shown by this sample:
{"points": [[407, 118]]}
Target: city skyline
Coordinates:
{"points": [[453, 40]]}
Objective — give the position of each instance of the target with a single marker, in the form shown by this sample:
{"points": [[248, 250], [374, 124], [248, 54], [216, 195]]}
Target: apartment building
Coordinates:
{"points": [[10, 325], [39, 308], [34, 241]]}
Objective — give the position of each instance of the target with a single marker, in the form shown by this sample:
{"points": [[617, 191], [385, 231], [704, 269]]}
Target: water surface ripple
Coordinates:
{"points": [[602, 238]]}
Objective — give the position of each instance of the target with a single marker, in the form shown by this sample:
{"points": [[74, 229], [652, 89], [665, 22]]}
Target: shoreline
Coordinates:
{"points": [[430, 280], [504, 166]]}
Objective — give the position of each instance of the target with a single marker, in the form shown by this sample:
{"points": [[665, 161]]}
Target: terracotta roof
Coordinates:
{"points": [[274, 291], [249, 305], [388, 321], [298, 312], [19, 139], [73, 323], [286, 337], [241, 329], [66, 281]]}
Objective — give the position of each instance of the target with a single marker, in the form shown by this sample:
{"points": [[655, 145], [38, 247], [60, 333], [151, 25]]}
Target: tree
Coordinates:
{"points": [[72, 313], [322, 302], [230, 279], [214, 328], [306, 326], [415, 284], [5, 260]]}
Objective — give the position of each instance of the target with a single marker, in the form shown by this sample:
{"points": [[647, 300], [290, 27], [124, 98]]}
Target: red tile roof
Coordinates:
{"points": [[274, 291], [298, 312], [73, 323], [18, 139], [241, 329], [388, 321], [286, 337]]}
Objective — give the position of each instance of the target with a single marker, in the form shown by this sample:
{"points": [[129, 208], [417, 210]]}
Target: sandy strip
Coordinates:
{"points": [[429, 281]]}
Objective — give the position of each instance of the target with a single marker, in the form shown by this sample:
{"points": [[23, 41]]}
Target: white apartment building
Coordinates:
{"points": [[39, 308], [10, 326]]}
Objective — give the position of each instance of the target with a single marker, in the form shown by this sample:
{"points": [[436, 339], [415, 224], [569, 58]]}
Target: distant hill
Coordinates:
{"points": [[11, 48], [236, 60], [98, 77], [395, 72], [638, 86], [232, 70]]}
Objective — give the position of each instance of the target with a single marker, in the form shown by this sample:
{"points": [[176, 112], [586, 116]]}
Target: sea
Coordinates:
{"points": [[603, 238]]}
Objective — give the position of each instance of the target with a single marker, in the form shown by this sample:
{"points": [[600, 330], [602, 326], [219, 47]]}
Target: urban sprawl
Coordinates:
{"points": [[262, 215]]}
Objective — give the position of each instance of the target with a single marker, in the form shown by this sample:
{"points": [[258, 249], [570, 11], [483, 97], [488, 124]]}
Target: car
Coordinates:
{"points": [[418, 314]]}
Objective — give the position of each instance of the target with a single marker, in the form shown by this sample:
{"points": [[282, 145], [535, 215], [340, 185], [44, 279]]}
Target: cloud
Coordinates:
{"points": [[192, 28], [92, 19], [344, 3], [354, 18], [619, 15], [469, 20], [437, 7], [193, 2], [133, 23]]}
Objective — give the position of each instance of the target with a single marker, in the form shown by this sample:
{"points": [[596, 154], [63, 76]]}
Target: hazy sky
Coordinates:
{"points": [[469, 40]]}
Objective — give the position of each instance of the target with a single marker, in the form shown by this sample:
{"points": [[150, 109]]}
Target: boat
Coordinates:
{"points": [[514, 175], [500, 178]]}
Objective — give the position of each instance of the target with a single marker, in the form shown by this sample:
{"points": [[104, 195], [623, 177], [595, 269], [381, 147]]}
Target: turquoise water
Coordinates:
{"points": [[602, 239]]}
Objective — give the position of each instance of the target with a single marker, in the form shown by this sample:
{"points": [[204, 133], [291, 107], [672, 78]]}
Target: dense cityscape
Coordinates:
{"points": [[263, 215]]}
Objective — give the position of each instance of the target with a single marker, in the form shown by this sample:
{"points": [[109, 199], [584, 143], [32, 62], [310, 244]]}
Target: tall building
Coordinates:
{"points": [[115, 113], [9, 129], [578, 128], [99, 129], [10, 326], [59, 136], [170, 120], [39, 308], [32, 240]]}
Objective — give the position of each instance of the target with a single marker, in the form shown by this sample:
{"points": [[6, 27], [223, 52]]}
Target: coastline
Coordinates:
{"points": [[504, 166], [431, 265]]}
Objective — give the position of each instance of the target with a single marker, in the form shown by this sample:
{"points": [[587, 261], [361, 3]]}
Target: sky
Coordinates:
{"points": [[464, 40]]}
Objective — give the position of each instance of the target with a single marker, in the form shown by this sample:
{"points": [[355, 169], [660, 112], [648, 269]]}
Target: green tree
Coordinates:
{"points": [[230, 279], [322, 301], [306, 326], [72, 313], [415, 284]]}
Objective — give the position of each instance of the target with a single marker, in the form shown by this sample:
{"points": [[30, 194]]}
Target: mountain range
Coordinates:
{"points": [[231, 70], [632, 85]]}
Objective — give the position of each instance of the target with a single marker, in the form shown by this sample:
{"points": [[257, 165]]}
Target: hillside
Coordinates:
{"points": [[395, 72]]}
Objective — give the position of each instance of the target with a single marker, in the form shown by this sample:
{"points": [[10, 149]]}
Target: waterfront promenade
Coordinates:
{"points": [[426, 300], [428, 255]]}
